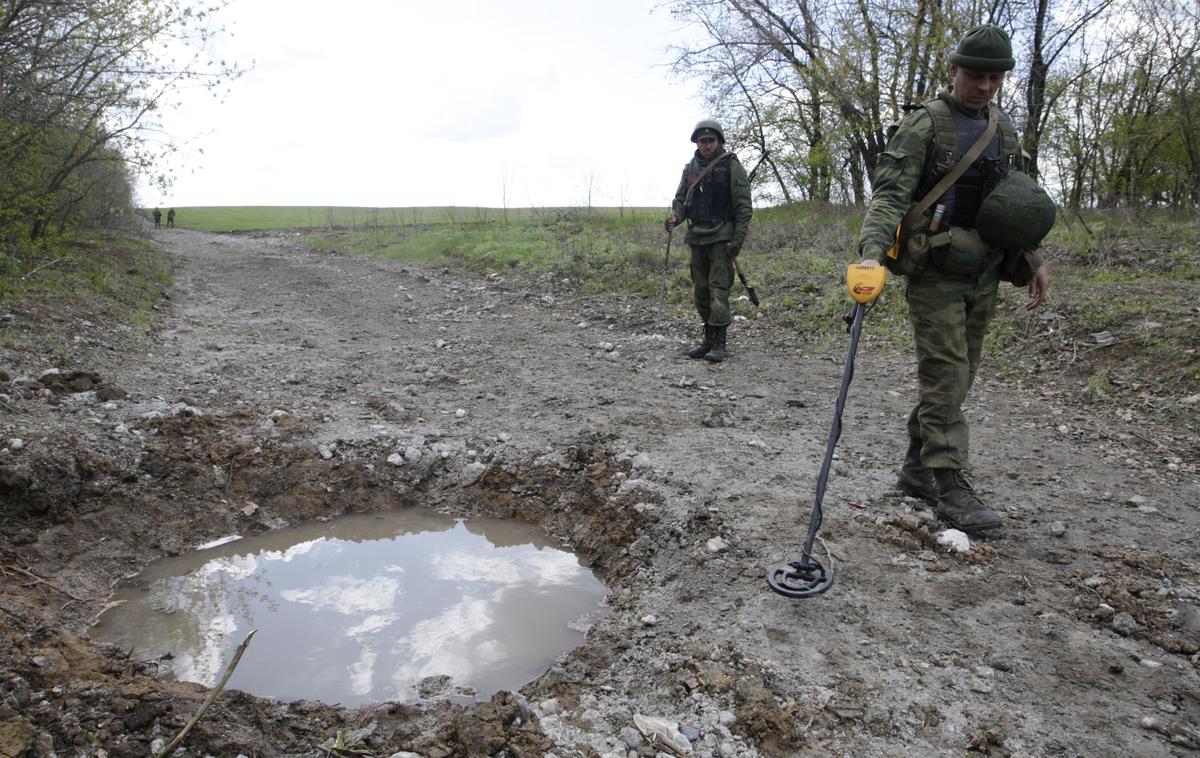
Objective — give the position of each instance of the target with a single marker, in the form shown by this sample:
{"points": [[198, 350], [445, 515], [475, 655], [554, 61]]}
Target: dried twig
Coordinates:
{"points": [[36, 269], [40, 580], [237, 656]]}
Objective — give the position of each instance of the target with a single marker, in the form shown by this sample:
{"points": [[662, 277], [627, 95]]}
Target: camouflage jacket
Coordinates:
{"points": [[898, 173], [736, 225]]}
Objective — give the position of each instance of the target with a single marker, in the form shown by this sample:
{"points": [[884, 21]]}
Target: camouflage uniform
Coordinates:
{"points": [[723, 203], [949, 312]]}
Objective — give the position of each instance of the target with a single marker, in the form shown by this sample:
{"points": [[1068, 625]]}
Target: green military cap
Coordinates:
{"points": [[984, 48]]}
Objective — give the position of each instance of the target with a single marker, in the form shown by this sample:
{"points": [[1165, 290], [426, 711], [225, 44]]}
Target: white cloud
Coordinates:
{"points": [[415, 103]]}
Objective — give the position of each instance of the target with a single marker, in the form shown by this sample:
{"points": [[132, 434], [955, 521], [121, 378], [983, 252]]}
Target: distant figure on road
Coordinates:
{"points": [[714, 197], [171, 217], [157, 218]]}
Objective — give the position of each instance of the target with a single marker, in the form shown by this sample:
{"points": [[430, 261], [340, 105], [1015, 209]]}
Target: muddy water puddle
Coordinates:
{"points": [[362, 609]]}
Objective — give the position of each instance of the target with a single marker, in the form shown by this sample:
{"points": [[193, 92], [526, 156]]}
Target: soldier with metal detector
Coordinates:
{"points": [[953, 211], [714, 197]]}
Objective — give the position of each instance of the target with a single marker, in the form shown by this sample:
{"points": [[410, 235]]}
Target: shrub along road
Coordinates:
{"points": [[287, 385]]}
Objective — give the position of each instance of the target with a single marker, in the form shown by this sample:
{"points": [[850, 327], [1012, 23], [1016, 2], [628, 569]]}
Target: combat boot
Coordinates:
{"points": [[959, 506], [701, 350], [915, 479], [718, 352]]}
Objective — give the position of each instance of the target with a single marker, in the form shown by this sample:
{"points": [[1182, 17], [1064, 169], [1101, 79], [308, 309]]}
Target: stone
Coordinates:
{"points": [[470, 473], [662, 730], [1124, 624]]}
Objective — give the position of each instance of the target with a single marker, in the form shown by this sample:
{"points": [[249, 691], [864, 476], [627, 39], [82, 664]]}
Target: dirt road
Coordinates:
{"points": [[289, 385]]}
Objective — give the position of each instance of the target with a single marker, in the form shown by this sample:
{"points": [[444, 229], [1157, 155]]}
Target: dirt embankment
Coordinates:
{"points": [[291, 380]]}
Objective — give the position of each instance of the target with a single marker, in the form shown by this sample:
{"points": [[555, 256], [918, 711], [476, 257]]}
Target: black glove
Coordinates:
{"points": [[670, 223]]}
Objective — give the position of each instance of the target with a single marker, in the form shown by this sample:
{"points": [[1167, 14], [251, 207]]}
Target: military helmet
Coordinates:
{"points": [[1017, 214], [708, 128]]}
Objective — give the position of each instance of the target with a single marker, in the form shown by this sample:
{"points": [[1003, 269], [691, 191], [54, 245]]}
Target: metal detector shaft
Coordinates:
{"points": [[807, 577], [835, 431]]}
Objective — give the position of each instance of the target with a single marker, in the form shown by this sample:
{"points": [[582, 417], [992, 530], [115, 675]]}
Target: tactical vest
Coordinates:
{"points": [[954, 134], [712, 198]]}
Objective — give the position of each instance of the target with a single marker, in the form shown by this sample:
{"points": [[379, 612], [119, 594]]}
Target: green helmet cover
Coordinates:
{"points": [[1017, 214], [708, 124]]}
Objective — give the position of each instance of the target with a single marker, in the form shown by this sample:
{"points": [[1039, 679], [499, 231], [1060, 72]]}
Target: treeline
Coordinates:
{"points": [[1106, 92], [80, 82]]}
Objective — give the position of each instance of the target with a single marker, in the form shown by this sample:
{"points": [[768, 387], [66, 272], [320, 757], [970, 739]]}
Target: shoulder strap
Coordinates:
{"points": [[1010, 144], [966, 160], [945, 133], [696, 180]]}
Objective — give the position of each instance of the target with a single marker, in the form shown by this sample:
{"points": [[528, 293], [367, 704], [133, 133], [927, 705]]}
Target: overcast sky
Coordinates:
{"points": [[415, 102]]}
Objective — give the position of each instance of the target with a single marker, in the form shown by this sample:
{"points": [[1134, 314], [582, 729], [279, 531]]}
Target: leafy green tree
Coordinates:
{"points": [[80, 84]]}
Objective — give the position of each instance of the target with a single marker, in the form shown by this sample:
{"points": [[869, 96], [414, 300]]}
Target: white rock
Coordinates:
{"points": [[663, 730], [16, 443], [460, 413], [412, 454], [395, 459], [717, 545], [649, 619], [954, 539], [325, 451]]}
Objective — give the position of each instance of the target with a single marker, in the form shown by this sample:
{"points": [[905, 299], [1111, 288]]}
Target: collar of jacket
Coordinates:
{"points": [[948, 96], [701, 161]]}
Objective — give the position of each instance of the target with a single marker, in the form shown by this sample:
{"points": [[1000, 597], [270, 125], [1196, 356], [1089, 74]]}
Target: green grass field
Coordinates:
{"points": [[266, 217]]}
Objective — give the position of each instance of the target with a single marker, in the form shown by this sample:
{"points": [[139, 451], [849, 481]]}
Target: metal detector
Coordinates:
{"points": [[807, 577]]}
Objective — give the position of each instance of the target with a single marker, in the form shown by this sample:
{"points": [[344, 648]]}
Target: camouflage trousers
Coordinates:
{"points": [[712, 277], [950, 315]]}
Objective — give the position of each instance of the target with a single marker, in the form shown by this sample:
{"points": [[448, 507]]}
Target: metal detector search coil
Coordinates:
{"points": [[807, 577]]}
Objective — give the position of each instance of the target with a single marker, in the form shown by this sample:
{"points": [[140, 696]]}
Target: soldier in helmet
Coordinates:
{"points": [[952, 271], [714, 198]]}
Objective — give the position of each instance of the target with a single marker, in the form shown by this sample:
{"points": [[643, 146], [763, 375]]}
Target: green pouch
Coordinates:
{"points": [[913, 249], [965, 254]]}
